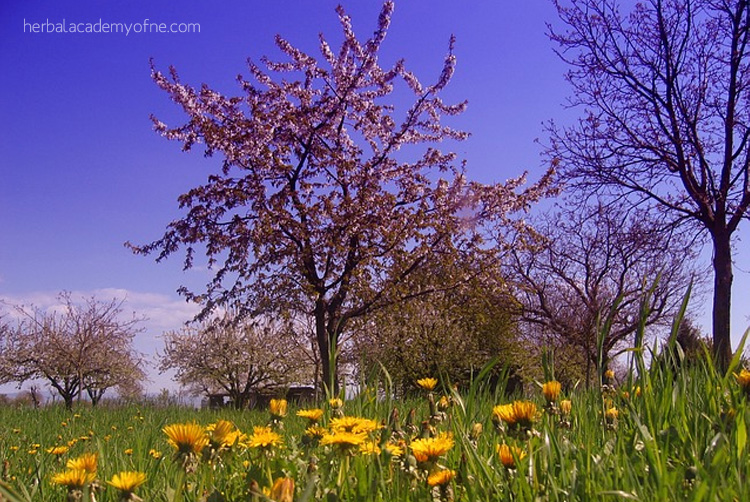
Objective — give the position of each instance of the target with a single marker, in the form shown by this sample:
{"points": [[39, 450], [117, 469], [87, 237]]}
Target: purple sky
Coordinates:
{"points": [[83, 172]]}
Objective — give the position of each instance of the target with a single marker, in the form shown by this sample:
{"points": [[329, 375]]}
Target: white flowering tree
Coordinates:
{"points": [[328, 199], [236, 358], [74, 347]]}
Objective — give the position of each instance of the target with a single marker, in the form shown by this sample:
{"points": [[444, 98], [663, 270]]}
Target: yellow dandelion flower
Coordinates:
{"points": [[87, 462], [519, 413], [343, 440], [743, 379], [394, 449], [222, 433], [312, 415], [335, 403], [278, 408], [128, 451], [33, 451], [354, 424], [127, 481], [612, 414], [441, 477], [444, 403], [282, 490], [58, 450], [73, 478], [154, 453], [551, 390], [565, 406], [427, 383], [369, 448], [264, 437], [187, 438], [509, 454], [16, 448], [430, 449], [609, 376]]}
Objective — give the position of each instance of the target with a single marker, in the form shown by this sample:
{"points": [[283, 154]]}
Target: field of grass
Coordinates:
{"points": [[670, 434]]}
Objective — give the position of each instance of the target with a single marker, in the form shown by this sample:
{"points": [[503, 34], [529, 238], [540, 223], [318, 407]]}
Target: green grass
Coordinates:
{"points": [[683, 438]]}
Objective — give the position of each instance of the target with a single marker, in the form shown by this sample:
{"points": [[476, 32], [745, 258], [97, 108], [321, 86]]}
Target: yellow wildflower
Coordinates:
{"points": [[127, 481], [335, 403], [509, 454], [264, 437], [187, 438], [427, 383], [282, 490], [565, 406], [430, 449], [519, 413], [154, 453], [313, 415], [222, 434], [612, 414], [128, 451], [369, 448], [58, 450], [743, 379], [278, 407], [551, 390], [394, 449], [343, 440], [73, 478], [441, 477], [354, 424], [87, 462]]}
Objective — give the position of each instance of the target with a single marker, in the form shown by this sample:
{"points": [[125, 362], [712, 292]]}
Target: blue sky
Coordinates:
{"points": [[83, 171]]}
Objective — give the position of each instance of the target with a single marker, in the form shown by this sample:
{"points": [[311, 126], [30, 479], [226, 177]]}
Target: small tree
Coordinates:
{"points": [[73, 347], [238, 358], [666, 118], [324, 203], [452, 333], [592, 262]]}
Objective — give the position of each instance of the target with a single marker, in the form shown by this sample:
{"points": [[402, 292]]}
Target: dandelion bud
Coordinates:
{"points": [[283, 490], [551, 391]]}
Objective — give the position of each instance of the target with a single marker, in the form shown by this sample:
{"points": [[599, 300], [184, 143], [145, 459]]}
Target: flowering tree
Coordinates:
{"points": [[75, 348], [666, 117], [325, 203], [235, 358]]}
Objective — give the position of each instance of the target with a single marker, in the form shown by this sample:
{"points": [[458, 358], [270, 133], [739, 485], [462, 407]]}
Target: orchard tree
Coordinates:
{"points": [[451, 333], [328, 199], [592, 262], [74, 347], [236, 357], [666, 117]]}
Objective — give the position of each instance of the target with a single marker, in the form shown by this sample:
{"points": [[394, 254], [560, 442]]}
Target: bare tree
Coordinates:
{"points": [[73, 347], [236, 357], [328, 200], [595, 262], [664, 91]]}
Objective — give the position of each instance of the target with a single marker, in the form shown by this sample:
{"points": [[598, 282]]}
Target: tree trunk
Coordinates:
{"points": [[722, 263], [324, 349]]}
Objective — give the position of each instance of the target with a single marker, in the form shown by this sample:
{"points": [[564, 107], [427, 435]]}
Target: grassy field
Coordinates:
{"points": [[671, 434]]}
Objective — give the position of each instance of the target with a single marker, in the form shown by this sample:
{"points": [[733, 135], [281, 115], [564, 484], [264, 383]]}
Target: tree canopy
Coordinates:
{"points": [[665, 121], [329, 198], [75, 347]]}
